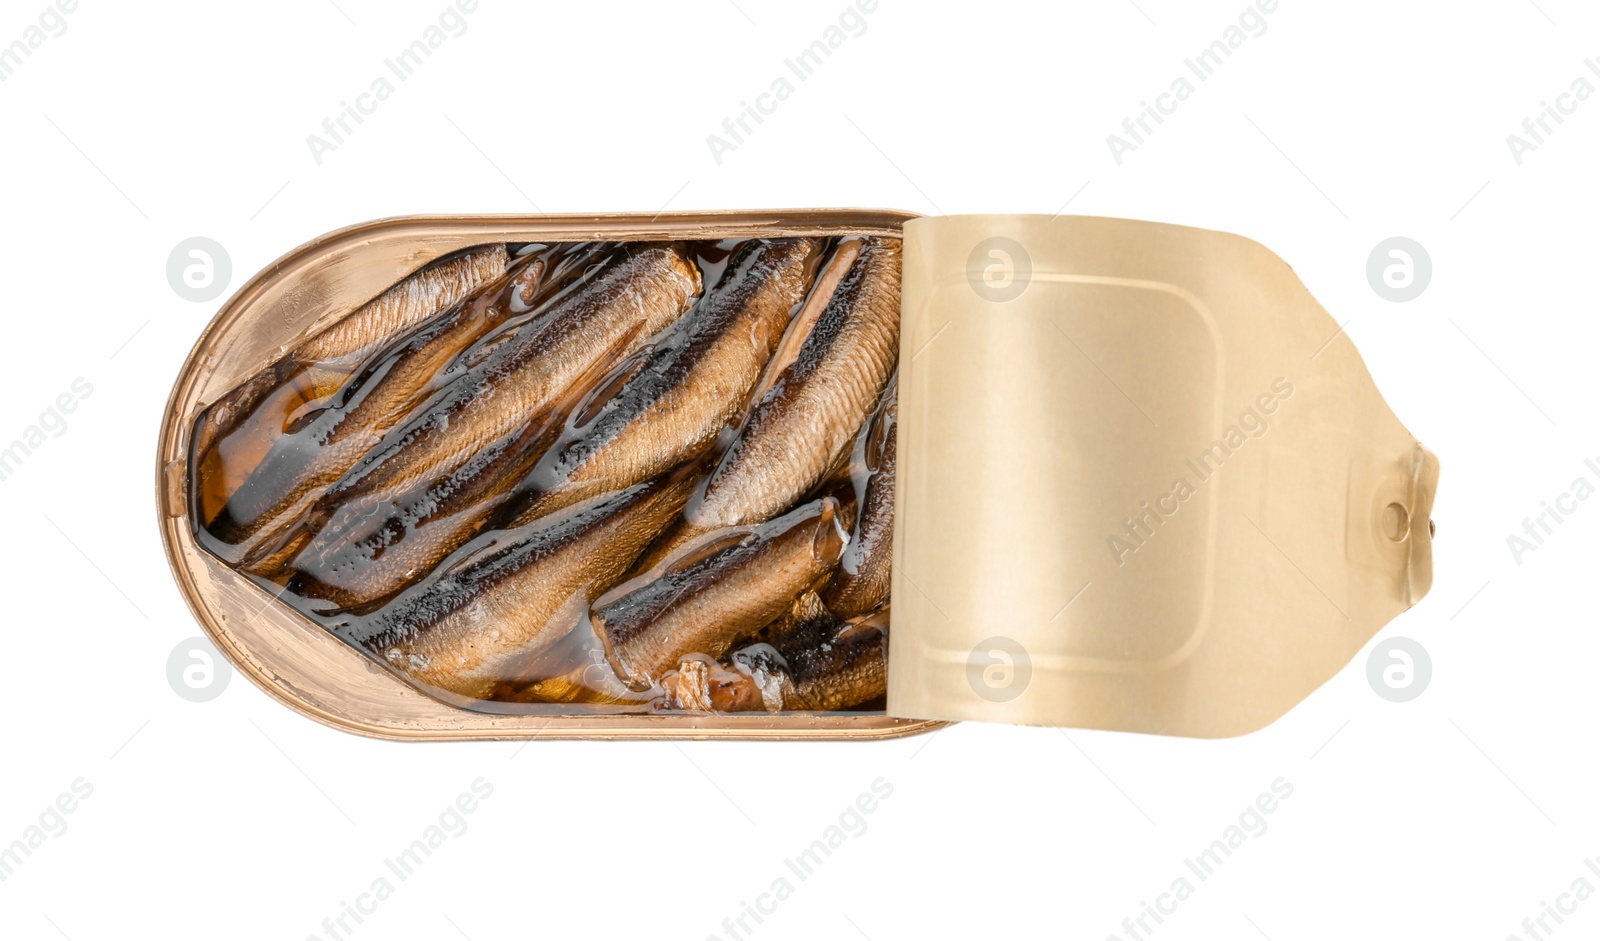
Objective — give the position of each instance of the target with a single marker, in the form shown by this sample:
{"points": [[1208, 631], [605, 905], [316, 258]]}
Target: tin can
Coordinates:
{"points": [[1145, 482]]}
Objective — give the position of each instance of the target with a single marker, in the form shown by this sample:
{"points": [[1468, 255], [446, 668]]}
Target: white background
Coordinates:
{"points": [[1455, 815]]}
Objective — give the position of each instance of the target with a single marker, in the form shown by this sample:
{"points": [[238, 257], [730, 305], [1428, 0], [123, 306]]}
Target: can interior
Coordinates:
{"points": [[286, 651]]}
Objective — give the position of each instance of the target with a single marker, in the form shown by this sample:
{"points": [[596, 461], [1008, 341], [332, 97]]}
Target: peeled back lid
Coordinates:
{"points": [[1145, 481]]}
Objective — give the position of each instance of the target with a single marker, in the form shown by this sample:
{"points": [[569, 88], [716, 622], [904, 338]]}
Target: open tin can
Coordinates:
{"points": [[1069, 547]]}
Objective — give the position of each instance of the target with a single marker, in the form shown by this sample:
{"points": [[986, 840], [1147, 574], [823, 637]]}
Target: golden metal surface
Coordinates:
{"points": [[1145, 481]]}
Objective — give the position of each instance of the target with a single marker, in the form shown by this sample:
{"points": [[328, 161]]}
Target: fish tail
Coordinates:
{"points": [[269, 557]]}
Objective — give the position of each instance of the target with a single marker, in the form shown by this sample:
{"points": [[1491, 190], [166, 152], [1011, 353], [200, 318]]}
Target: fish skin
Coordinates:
{"points": [[812, 409], [819, 402], [834, 269], [480, 621], [322, 363], [498, 399], [720, 589], [345, 514], [301, 465], [372, 547], [636, 295], [676, 397], [862, 582]]}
